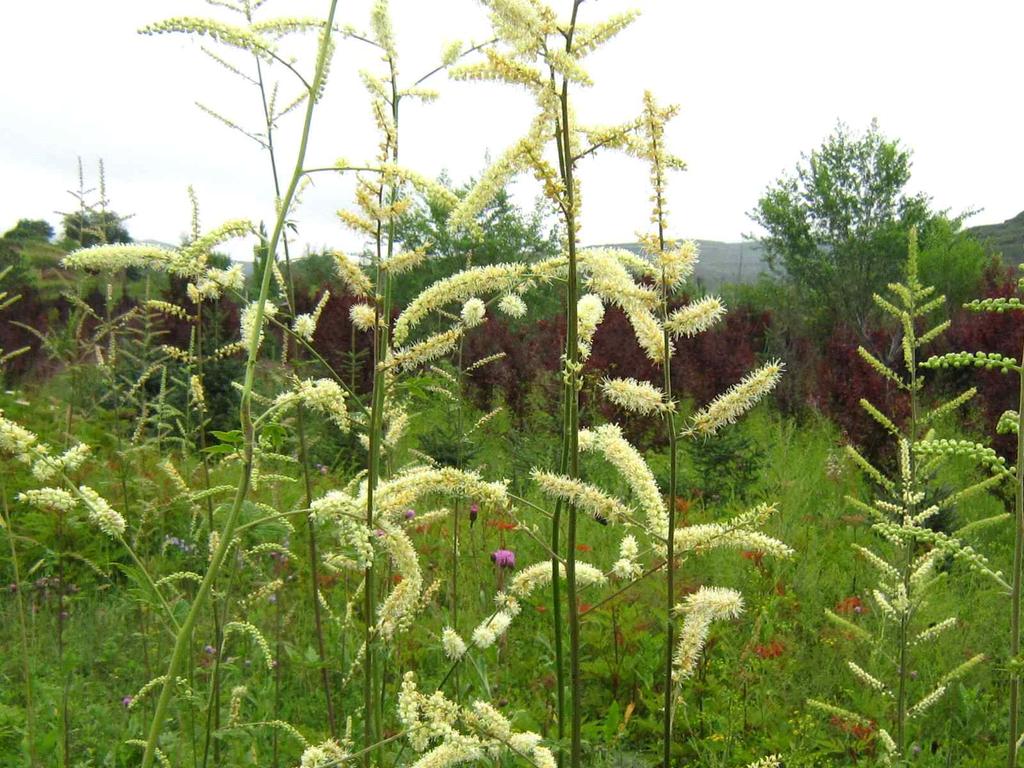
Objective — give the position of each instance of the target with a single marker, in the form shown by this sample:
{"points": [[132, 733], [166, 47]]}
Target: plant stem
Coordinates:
{"points": [[1015, 595], [670, 566], [382, 341], [457, 508], [572, 372], [245, 416], [212, 717], [556, 579], [26, 669], [293, 358], [556, 522]]}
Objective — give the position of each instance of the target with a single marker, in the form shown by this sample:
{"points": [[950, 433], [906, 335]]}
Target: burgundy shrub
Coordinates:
{"points": [[987, 332], [844, 379], [333, 340]]}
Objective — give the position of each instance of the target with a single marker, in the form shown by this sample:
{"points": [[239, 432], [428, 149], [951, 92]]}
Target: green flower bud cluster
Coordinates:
{"points": [[1008, 423], [981, 454], [994, 305], [988, 360]]}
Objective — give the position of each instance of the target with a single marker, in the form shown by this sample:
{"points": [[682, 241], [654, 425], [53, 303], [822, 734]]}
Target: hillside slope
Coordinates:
{"points": [[1006, 238], [722, 262]]}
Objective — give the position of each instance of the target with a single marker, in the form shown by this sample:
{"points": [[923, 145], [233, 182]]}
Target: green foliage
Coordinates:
{"points": [[913, 550], [952, 259], [30, 229], [25, 245], [94, 227], [726, 469], [312, 272], [838, 225]]}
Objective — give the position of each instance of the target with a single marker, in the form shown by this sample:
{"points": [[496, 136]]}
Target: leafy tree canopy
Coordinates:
{"points": [[94, 227], [838, 226], [30, 229]]}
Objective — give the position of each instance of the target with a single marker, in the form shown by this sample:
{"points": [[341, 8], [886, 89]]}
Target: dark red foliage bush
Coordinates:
{"points": [[349, 354], [528, 350], [987, 332], [844, 379]]}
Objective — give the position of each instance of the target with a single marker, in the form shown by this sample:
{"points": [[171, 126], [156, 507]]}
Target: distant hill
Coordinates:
{"points": [[723, 262], [1006, 238]]}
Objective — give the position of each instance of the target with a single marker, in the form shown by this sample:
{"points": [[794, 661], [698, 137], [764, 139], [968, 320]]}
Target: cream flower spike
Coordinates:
{"points": [[639, 397], [740, 398]]}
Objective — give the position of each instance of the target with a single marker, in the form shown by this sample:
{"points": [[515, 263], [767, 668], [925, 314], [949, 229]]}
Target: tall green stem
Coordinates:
{"points": [[26, 668], [572, 373], [213, 712], [293, 358], [460, 432], [382, 340], [670, 566], [245, 416], [556, 585], [556, 521], [1015, 595]]}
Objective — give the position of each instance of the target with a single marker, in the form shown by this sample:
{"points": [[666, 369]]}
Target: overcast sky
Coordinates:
{"points": [[758, 84]]}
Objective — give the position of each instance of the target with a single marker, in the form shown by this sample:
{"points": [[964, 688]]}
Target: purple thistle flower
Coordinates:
{"points": [[474, 510], [410, 514], [127, 701], [504, 558]]}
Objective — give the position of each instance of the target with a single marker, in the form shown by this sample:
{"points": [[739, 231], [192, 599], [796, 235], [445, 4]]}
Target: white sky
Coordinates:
{"points": [[758, 83]]}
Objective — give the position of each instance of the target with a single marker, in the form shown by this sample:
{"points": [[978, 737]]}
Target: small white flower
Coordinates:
{"points": [[473, 312]]}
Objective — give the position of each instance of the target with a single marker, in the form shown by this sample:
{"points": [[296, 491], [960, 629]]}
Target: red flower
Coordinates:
{"points": [[583, 547], [862, 732], [850, 605], [771, 650], [502, 525], [755, 556]]}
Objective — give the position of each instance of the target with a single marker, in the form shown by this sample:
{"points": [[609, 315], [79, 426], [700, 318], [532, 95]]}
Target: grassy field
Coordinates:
{"points": [[747, 699]]}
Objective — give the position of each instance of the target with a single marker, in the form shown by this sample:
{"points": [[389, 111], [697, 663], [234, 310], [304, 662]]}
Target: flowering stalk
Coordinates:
{"points": [[1009, 421], [901, 514], [183, 637]]}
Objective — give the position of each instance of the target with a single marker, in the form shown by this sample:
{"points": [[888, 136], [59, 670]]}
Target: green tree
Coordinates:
{"points": [[16, 243], [952, 259], [838, 226], [30, 229], [94, 227]]}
